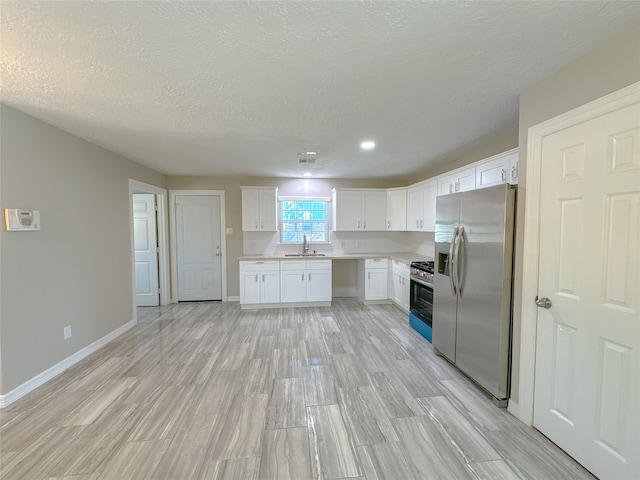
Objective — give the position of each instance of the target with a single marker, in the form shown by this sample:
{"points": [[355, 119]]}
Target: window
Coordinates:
{"points": [[303, 216]]}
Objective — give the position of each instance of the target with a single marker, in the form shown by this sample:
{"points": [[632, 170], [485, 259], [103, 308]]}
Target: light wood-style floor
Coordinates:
{"points": [[207, 391]]}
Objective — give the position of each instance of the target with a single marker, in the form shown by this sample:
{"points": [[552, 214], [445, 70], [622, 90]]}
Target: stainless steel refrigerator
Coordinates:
{"points": [[473, 284]]}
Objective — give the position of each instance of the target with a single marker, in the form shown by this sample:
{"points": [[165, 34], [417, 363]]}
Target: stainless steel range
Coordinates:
{"points": [[421, 298]]}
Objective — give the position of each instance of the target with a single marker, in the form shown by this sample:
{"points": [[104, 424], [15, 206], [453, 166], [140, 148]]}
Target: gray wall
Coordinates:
{"points": [[77, 270], [602, 71]]}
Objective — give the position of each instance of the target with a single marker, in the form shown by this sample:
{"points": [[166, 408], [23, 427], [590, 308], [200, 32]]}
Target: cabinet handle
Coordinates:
{"points": [[504, 175], [358, 224], [388, 224], [256, 278], [457, 186], [420, 224], [514, 173], [256, 224], [364, 225], [309, 276], [263, 278], [302, 277], [262, 224], [451, 188]]}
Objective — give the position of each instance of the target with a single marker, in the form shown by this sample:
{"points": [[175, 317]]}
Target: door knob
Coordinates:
{"points": [[543, 302]]}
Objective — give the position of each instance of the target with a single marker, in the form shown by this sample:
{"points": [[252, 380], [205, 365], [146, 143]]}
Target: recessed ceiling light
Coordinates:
{"points": [[367, 145], [311, 153], [307, 174]]}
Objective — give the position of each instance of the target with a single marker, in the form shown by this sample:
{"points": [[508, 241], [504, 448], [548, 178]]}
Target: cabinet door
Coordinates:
{"points": [[250, 210], [293, 286], [493, 172], [318, 285], [270, 287], [466, 180], [513, 168], [376, 284], [397, 210], [374, 211], [447, 185], [415, 205], [348, 210], [395, 289], [268, 210], [460, 181], [249, 287], [429, 193], [405, 288]]}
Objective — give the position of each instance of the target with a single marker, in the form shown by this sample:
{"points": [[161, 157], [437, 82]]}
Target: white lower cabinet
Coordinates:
{"points": [[305, 281], [259, 282], [373, 280], [399, 291]]}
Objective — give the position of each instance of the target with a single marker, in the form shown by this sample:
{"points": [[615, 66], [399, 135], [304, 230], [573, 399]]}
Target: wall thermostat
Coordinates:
{"points": [[21, 220]]}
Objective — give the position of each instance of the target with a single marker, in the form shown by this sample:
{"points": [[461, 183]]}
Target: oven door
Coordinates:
{"points": [[421, 306]]}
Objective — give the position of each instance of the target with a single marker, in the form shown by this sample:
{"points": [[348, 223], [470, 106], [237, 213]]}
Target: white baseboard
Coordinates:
{"points": [[233, 298], [58, 368], [512, 408]]}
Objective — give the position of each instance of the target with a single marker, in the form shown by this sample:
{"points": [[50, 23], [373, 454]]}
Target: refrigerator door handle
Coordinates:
{"points": [[460, 260], [452, 263]]}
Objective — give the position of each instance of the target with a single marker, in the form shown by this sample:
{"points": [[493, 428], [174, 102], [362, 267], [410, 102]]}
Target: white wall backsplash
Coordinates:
{"points": [[421, 243], [266, 243]]}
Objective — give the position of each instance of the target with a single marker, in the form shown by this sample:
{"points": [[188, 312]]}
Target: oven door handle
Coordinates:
{"points": [[420, 281], [453, 267]]}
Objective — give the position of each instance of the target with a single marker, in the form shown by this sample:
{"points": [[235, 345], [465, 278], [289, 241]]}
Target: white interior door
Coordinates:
{"points": [[145, 249], [198, 247], [587, 362]]}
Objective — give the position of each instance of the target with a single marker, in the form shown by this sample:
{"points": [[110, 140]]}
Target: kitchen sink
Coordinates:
{"points": [[304, 255]]}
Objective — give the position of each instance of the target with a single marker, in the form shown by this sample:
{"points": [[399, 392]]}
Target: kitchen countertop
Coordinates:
{"points": [[402, 257]]}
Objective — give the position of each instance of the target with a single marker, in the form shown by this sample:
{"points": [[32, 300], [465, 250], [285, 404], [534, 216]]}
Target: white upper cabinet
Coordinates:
{"points": [[513, 168], [457, 181], [259, 209], [498, 169], [359, 209], [397, 209], [421, 207]]}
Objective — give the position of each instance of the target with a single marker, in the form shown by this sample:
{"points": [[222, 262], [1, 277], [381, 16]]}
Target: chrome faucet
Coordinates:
{"points": [[305, 245]]}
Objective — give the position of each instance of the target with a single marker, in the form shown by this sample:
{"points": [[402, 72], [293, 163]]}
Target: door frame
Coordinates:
{"points": [[163, 238], [174, 251], [529, 311]]}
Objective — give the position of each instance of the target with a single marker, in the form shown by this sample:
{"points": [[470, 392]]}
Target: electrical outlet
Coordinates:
{"points": [[67, 332]]}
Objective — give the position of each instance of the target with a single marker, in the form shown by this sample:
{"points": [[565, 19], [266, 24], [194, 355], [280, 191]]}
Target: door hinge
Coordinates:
{"points": [[158, 291]]}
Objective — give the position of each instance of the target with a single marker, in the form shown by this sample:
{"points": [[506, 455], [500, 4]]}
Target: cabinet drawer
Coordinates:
{"points": [[293, 264], [318, 264], [376, 263], [260, 265]]}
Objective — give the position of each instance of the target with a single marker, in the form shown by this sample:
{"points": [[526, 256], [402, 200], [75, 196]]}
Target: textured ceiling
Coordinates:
{"points": [[239, 88]]}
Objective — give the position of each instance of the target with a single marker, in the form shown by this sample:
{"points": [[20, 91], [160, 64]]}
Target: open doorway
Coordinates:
{"points": [[149, 244]]}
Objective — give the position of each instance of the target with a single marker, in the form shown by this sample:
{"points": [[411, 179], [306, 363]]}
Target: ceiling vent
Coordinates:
{"points": [[307, 161]]}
